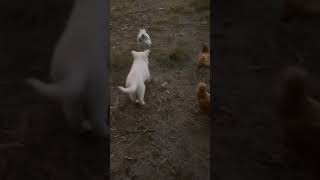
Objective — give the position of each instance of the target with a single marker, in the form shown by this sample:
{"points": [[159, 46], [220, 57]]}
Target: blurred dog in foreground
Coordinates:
{"points": [[299, 113], [79, 69], [203, 97]]}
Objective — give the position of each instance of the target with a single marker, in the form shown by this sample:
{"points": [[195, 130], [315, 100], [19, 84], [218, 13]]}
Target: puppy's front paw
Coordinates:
{"points": [[142, 103]]}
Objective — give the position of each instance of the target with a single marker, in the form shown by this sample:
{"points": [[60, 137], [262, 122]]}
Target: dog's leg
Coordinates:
{"points": [[73, 116], [141, 94], [97, 110], [133, 97]]}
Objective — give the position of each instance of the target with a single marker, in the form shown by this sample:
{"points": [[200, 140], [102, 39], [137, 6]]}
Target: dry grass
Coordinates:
{"points": [[179, 54], [191, 6], [200, 5]]}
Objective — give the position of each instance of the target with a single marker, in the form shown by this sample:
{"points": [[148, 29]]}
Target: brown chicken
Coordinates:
{"points": [[204, 57], [299, 113], [203, 97]]}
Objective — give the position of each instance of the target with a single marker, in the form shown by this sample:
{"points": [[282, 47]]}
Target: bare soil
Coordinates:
{"points": [[167, 138]]}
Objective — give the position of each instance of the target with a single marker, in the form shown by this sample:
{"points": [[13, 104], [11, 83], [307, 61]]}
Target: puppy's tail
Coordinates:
{"points": [[129, 89], [57, 90]]}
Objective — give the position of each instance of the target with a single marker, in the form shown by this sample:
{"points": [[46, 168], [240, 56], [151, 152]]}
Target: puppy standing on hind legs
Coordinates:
{"points": [[79, 69], [138, 75]]}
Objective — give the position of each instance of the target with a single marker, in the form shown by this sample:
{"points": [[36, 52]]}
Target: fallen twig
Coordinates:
{"points": [[163, 161], [124, 139], [115, 136], [144, 131], [113, 107], [128, 158]]}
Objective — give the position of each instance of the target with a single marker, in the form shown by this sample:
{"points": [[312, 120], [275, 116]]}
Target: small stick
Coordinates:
{"points": [[128, 158], [163, 161]]}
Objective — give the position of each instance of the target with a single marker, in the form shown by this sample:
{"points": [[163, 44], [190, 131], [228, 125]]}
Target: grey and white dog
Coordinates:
{"points": [[144, 40]]}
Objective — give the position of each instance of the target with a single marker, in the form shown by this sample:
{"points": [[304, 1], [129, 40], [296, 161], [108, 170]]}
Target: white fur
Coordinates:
{"points": [[138, 75], [143, 39], [79, 68]]}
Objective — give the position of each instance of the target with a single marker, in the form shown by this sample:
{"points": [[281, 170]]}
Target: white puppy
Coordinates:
{"points": [[79, 68], [144, 39], [138, 75]]}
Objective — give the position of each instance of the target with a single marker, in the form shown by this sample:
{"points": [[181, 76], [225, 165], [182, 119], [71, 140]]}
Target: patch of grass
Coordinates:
{"points": [[162, 20], [190, 7], [181, 9], [178, 54], [200, 5], [156, 28]]}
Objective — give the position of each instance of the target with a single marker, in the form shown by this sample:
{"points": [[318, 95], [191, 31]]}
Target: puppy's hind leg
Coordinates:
{"points": [[133, 97], [140, 94]]}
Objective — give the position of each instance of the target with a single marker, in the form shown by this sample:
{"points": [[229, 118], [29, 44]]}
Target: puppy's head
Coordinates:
{"points": [[142, 36]]}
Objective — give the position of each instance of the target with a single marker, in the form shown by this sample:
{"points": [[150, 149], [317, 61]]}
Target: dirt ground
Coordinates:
{"points": [[34, 140], [167, 138], [251, 43]]}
